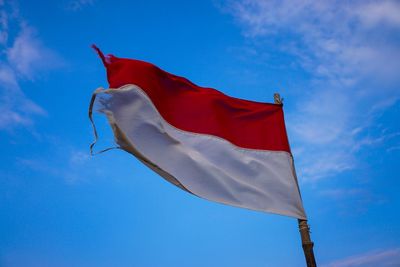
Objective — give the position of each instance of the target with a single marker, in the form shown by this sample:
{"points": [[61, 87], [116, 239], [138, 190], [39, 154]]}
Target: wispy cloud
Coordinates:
{"points": [[76, 5], [336, 39], [23, 56], [374, 13], [73, 165], [15, 108], [28, 56], [382, 258], [343, 193], [350, 51]]}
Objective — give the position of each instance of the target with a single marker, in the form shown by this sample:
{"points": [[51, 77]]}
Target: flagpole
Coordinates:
{"points": [[304, 229], [307, 243]]}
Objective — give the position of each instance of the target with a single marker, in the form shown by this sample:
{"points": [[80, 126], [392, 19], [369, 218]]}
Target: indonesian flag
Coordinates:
{"points": [[217, 147]]}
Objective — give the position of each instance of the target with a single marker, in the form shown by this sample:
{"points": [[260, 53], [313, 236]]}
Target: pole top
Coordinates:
{"points": [[278, 99]]}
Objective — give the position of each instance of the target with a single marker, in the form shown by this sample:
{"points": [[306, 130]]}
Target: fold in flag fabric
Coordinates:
{"points": [[217, 147]]}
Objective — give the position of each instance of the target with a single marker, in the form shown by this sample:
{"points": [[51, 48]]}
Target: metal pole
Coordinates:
{"points": [[303, 226]]}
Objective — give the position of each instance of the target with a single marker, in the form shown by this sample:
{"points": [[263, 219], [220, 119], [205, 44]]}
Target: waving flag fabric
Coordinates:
{"points": [[217, 147]]}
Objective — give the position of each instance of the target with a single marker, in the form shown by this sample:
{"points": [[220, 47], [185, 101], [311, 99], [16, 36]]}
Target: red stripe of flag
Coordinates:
{"points": [[196, 109]]}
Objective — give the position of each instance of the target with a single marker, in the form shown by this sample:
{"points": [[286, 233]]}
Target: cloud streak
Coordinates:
{"points": [[73, 165], [349, 51], [383, 258], [23, 57], [29, 56], [340, 40], [77, 5]]}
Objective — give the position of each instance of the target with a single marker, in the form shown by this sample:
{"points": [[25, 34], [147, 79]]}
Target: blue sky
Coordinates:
{"points": [[336, 63]]}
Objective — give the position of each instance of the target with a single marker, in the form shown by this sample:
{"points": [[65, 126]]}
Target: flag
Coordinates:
{"points": [[220, 148]]}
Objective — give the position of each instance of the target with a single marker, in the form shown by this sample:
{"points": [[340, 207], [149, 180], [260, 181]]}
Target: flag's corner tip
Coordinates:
{"points": [[103, 58]]}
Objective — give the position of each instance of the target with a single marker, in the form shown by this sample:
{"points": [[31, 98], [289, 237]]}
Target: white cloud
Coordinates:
{"points": [[373, 14], [28, 56], [343, 193], [7, 76], [73, 166], [350, 51], [3, 26], [338, 39], [22, 57], [322, 106], [77, 5], [323, 164], [382, 258], [79, 157], [15, 108]]}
